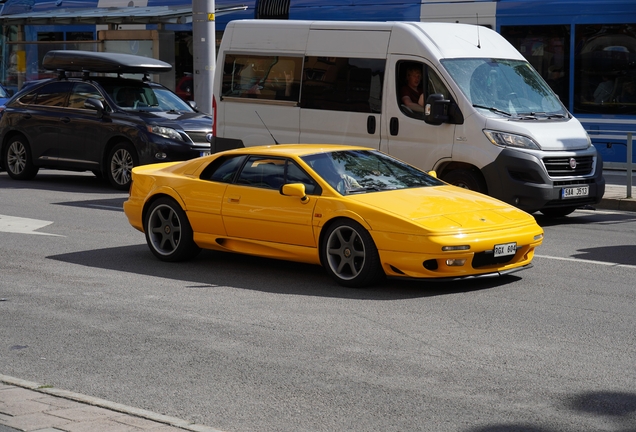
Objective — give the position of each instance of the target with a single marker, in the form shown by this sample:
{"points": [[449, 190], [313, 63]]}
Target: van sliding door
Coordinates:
{"points": [[341, 100]]}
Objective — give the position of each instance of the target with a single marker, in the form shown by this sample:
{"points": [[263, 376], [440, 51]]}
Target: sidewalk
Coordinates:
{"points": [[27, 406], [615, 197]]}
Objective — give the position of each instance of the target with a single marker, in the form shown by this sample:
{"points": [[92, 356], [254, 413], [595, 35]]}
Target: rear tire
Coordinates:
{"points": [[18, 160], [466, 179], [168, 231], [121, 160]]}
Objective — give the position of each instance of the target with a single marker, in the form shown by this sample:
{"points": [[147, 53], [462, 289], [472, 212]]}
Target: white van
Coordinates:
{"points": [[479, 115]]}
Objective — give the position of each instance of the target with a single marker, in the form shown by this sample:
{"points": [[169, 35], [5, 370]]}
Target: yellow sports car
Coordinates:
{"points": [[360, 213]]}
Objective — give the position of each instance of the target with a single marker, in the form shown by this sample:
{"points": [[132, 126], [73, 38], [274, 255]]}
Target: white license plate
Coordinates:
{"points": [[505, 249], [204, 153], [575, 192]]}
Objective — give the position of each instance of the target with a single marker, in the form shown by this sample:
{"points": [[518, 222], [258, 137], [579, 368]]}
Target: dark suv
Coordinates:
{"points": [[101, 124]]}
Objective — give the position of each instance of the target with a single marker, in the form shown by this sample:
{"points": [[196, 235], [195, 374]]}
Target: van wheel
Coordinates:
{"points": [[466, 179], [350, 256], [121, 160], [18, 160], [558, 211]]}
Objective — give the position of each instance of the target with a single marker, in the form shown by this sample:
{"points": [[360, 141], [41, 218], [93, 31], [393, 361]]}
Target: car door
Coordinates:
{"points": [[253, 207], [406, 135], [37, 115], [83, 134]]}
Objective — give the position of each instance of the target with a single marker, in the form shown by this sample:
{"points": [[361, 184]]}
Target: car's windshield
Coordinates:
{"points": [[509, 88], [361, 171], [141, 97]]}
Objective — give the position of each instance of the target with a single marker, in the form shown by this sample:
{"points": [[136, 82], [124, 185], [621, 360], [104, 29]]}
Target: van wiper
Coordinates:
{"points": [[493, 109]]}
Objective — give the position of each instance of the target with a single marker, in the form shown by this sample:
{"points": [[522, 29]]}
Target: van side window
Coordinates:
{"points": [[415, 82], [343, 84], [262, 77]]}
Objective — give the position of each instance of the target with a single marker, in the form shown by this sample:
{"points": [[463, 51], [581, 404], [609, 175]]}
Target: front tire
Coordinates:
{"points": [[121, 160], [168, 232], [18, 160], [350, 256]]}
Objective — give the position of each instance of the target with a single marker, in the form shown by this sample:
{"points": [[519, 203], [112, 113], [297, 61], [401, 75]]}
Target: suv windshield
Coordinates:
{"points": [[509, 88], [134, 96]]}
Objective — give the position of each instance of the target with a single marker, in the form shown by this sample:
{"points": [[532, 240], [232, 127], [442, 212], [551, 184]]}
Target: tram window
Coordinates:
{"points": [[547, 49], [605, 69]]}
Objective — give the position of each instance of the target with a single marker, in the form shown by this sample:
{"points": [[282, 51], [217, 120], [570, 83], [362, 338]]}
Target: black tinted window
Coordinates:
{"points": [[343, 84], [53, 94], [81, 92], [223, 169]]}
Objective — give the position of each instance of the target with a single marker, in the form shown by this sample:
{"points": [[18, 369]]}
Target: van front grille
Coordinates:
{"points": [[562, 166]]}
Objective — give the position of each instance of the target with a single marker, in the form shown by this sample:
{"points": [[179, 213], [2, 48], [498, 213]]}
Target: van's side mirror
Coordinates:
{"points": [[436, 109], [95, 104]]}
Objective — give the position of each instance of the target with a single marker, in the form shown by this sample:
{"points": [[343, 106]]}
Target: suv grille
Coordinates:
{"points": [[560, 167], [198, 137]]}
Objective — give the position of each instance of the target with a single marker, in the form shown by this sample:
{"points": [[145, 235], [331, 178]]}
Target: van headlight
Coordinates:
{"points": [[505, 139], [165, 132]]}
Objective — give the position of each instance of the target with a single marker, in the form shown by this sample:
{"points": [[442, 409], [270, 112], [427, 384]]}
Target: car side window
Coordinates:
{"points": [[81, 92], [223, 169], [263, 172], [54, 94]]}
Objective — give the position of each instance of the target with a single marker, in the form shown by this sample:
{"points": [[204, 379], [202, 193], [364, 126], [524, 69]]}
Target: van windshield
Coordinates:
{"points": [[509, 88]]}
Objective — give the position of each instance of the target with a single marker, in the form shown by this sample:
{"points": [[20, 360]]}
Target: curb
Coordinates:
{"points": [[113, 406], [623, 204]]}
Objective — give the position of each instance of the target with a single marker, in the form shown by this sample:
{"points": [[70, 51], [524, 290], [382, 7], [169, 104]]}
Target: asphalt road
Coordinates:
{"points": [[249, 344]]}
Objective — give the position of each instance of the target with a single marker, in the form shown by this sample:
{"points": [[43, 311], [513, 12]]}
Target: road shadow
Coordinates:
{"points": [[61, 181], [618, 409], [619, 254], [585, 218], [211, 268]]}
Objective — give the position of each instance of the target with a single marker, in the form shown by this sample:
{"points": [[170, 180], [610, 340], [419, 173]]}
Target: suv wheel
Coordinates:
{"points": [[17, 159], [121, 160]]}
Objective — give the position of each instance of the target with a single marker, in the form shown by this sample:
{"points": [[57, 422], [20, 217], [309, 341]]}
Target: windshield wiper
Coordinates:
{"points": [[493, 109]]}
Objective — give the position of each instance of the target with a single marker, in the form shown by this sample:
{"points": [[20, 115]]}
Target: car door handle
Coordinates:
{"points": [[234, 198], [65, 119]]}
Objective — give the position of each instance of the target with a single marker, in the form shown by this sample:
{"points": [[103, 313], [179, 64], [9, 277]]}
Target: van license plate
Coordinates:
{"points": [[505, 249], [575, 192], [204, 153]]}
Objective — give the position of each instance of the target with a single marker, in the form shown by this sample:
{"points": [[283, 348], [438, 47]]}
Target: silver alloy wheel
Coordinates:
{"points": [[164, 229], [345, 252], [16, 157], [121, 165]]}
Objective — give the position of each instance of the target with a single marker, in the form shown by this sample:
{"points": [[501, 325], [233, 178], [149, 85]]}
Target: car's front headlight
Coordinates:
{"points": [[505, 139], [165, 132]]}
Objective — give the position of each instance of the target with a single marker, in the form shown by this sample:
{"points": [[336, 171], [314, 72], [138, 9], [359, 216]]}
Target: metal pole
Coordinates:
{"points": [[629, 164], [204, 51]]}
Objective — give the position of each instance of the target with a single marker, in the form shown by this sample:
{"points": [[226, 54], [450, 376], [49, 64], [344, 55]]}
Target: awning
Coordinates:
{"points": [[129, 15]]}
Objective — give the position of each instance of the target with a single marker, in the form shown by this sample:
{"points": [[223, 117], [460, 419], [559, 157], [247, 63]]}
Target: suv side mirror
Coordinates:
{"points": [[95, 104]]}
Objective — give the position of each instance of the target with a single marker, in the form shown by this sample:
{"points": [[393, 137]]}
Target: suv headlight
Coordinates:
{"points": [[165, 132], [505, 139]]}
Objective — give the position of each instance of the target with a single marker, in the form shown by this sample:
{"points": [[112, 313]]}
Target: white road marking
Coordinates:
{"points": [[603, 263], [19, 225]]}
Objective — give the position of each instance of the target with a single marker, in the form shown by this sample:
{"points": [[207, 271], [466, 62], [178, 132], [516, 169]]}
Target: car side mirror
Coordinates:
{"points": [[295, 189], [95, 104], [193, 104]]}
